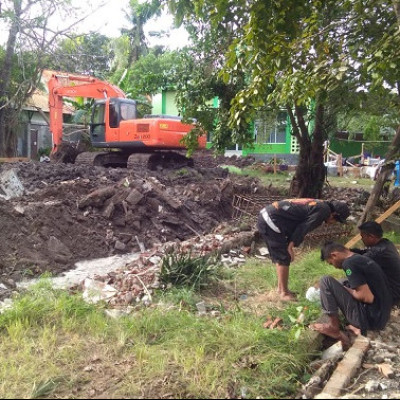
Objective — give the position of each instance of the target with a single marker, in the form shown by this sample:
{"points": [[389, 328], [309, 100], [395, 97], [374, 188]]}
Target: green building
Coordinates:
{"points": [[272, 136], [271, 131]]}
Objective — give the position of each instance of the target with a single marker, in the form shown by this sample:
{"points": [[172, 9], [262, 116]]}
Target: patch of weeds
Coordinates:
{"points": [[181, 172], [233, 169], [298, 317], [184, 298], [27, 272], [182, 269], [44, 388]]}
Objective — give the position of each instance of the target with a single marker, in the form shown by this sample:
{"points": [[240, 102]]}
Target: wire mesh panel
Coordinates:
{"points": [[247, 207], [250, 206]]}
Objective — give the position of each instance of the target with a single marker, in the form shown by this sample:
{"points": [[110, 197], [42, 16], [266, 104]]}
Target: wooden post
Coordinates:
{"points": [[274, 164], [381, 218], [339, 163], [362, 154]]}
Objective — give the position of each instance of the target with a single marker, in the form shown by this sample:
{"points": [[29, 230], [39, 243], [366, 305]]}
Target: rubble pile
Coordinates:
{"points": [[135, 282], [70, 213]]}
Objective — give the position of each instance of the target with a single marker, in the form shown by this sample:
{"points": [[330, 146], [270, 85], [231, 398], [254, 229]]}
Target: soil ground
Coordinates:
{"points": [[70, 213]]}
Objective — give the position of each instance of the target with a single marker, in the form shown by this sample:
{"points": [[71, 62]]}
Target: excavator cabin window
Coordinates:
{"points": [[98, 117], [114, 120], [128, 111]]}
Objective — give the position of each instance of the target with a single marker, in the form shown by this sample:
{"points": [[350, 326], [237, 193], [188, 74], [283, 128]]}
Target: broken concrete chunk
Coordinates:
{"points": [[57, 247], [134, 197], [10, 185], [120, 245], [19, 209], [97, 198], [95, 291], [108, 212], [333, 352], [263, 251], [371, 386]]}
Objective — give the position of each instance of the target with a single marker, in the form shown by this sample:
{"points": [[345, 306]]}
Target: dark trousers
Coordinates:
{"points": [[335, 297]]}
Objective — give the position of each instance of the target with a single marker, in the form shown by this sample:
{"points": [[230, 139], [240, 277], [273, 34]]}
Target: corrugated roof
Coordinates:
{"points": [[40, 98]]}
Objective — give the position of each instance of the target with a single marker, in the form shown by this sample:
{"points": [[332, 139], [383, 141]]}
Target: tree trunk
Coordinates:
{"points": [[310, 172], [391, 156], [396, 6], [5, 76]]}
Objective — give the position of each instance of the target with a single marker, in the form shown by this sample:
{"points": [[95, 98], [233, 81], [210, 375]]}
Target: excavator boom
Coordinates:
{"points": [[61, 86]]}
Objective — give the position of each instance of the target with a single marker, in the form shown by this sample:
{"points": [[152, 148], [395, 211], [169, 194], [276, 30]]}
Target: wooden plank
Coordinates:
{"points": [[381, 218], [13, 159]]}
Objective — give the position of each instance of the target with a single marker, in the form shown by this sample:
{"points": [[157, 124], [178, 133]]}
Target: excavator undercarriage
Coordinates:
{"points": [[155, 160]]}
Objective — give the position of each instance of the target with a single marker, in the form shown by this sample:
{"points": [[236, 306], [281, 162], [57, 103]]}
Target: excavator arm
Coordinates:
{"points": [[68, 85]]}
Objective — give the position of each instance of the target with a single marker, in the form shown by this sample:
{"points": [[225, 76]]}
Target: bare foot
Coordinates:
{"points": [[288, 296], [354, 330], [331, 331]]}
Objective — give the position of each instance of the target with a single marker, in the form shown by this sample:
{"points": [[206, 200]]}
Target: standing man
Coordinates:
{"points": [[283, 225], [383, 252], [366, 303]]}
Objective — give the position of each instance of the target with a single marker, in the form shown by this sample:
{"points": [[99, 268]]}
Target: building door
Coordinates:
{"points": [[34, 143]]}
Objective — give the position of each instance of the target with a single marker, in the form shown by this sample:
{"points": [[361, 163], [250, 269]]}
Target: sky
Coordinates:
{"points": [[110, 18]]}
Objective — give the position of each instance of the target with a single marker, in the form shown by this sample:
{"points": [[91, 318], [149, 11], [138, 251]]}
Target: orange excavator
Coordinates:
{"points": [[153, 141]]}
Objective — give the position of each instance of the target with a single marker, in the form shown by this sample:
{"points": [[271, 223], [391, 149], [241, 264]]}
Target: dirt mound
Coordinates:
{"points": [[70, 213]]}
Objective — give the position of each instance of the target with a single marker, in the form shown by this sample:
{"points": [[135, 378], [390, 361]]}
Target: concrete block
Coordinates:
{"points": [[347, 368]]}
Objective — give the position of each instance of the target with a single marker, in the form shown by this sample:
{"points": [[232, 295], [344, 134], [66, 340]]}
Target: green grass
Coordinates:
{"points": [[282, 179], [54, 345]]}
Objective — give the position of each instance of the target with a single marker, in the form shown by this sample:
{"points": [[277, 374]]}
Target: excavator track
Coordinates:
{"points": [[103, 159], [138, 161], [159, 160]]}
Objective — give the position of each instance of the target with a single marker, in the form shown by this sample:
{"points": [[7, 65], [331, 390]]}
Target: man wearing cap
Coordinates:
{"points": [[383, 252], [284, 224]]}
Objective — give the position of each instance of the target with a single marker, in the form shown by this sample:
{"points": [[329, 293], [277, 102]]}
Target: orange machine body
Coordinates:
{"points": [[114, 123]]}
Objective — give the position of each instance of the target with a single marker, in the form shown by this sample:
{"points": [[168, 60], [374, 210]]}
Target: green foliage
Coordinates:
{"points": [[44, 388], [298, 317], [304, 57], [44, 353], [91, 53], [183, 269], [150, 74], [43, 304]]}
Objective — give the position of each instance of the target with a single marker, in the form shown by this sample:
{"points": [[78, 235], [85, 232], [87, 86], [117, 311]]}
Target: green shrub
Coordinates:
{"points": [[181, 269]]}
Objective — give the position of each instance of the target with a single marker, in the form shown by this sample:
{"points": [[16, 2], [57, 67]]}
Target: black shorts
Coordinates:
{"points": [[276, 242]]}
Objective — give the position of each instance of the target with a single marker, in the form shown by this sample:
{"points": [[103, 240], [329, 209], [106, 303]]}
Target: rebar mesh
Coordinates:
{"points": [[248, 207]]}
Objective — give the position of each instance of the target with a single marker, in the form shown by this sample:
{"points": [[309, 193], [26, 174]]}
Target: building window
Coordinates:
{"points": [[270, 128]]}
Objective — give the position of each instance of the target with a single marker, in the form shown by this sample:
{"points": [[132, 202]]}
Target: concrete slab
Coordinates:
{"points": [[346, 369]]}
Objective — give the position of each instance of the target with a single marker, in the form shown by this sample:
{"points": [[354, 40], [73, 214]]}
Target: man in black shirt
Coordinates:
{"points": [[283, 225], [383, 252], [366, 303]]}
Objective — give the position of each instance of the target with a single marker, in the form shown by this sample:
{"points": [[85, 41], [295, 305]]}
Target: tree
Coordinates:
{"points": [[30, 36], [200, 80], [89, 54], [297, 55], [381, 72], [139, 13]]}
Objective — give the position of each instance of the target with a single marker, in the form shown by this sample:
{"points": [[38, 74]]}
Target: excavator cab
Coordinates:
{"points": [[107, 115]]}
